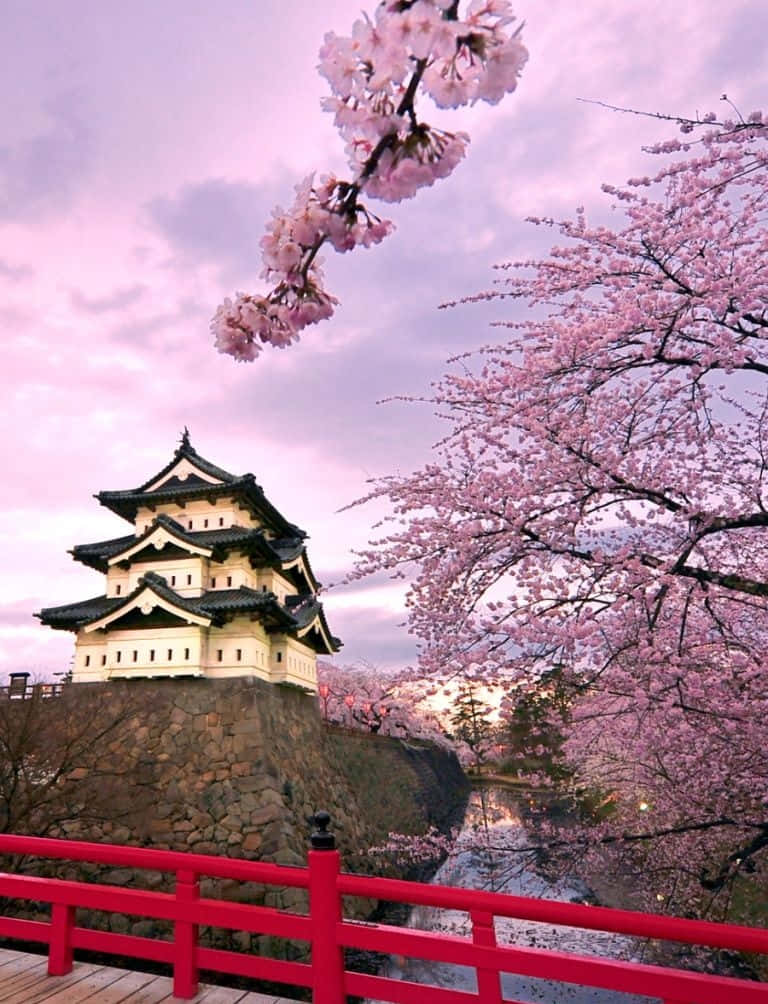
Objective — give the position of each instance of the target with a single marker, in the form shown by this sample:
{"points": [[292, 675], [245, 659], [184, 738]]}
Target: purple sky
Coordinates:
{"points": [[143, 146]]}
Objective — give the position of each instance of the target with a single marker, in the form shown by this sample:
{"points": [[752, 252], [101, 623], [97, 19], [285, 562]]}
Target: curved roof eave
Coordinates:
{"points": [[168, 600]]}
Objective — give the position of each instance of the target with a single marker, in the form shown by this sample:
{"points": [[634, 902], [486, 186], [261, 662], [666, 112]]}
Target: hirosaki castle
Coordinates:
{"points": [[213, 581]]}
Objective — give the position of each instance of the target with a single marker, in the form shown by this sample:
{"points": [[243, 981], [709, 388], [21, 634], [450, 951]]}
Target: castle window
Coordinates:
{"points": [[213, 582], [186, 653], [189, 524], [151, 655], [117, 590], [221, 521], [205, 524], [87, 660], [103, 660], [189, 580], [170, 654], [173, 580], [135, 656], [219, 654], [229, 580], [118, 656], [279, 657], [239, 655]]}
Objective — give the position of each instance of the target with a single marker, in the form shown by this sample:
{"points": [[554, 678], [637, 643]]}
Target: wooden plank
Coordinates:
{"points": [[220, 995], [158, 989], [14, 985], [24, 980], [227, 995], [253, 997], [121, 989], [8, 956], [85, 982], [53, 987]]}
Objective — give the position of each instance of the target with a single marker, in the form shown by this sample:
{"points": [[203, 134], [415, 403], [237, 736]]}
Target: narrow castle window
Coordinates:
{"points": [[103, 660], [205, 524], [213, 582], [239, 655], [229, 580], [87, 660], [219, 654], [189, 580], [170, 654], [135, 656], [117, 590], [221, 521], [186, 653], [173, 580], [189, 524], [118, 656], [151, 655], [279, 657]]}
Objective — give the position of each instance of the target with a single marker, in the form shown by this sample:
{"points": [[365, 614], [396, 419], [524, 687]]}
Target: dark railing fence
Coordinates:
{"points": [[19, 688], [329, 934]]}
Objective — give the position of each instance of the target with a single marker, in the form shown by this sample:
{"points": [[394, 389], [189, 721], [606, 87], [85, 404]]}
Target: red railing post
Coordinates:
{"points": [[488, 980], [60, 951], [185, 975], [325, 913]]}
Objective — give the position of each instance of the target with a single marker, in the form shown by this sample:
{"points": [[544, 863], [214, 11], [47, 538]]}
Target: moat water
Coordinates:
{"points": [[497, 812]]}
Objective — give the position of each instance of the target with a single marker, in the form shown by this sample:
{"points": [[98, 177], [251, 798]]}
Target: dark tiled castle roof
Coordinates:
{"points": [[220, 541], [216, 605], [242, 487]]}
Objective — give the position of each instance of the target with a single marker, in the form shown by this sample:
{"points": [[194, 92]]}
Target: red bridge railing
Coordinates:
{"points": [[328, 933]]}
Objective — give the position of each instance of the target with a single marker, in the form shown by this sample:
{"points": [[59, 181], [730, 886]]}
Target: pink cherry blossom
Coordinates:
{"points": [[363, 698], [375, 76], [599, 505]]}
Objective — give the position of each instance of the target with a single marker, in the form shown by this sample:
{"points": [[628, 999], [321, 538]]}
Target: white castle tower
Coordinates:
{"points": [[213, 581]]}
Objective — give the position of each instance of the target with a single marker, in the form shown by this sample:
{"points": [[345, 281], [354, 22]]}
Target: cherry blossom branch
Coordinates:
{"points": [[454, 61]]}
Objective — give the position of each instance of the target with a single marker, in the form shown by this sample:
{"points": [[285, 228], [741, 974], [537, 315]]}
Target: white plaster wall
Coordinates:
{"points": [[297, 662], [275, 583], [240, 636], [185, 650], [181, 570], [238, 568], [118, 582], [200, 513], [176, 650], [89, 664]]}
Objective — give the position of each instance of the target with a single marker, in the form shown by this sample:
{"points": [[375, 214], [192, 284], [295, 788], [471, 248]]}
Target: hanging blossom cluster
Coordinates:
{"points": [[375, 75]]}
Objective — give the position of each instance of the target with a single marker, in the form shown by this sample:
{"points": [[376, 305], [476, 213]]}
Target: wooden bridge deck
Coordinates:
{"points": [[24, 980]]}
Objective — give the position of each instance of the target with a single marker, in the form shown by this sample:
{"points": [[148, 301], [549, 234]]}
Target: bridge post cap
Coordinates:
{"points": [[321, 839]]}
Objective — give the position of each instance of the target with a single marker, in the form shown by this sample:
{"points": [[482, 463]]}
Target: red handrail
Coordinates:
{"points": [[329, 934]]}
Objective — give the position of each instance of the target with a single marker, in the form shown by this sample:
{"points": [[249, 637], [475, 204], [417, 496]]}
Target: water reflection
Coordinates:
{"points": [[493, 821]]}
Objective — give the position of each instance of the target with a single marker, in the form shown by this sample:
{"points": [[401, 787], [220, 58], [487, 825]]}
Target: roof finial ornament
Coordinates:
{"points": [[185, 445]]}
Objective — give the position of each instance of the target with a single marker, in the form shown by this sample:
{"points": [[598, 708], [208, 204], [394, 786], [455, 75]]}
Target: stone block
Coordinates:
{"points": [[265, 814], [251, 842]]}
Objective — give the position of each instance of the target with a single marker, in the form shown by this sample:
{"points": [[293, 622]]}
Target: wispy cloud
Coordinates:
{"points": [[41, 175], [116, 300]]}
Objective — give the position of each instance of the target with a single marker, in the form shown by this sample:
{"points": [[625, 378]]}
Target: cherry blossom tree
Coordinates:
{"points": [[411, 47], [599, 504], [361, 697]]}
